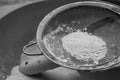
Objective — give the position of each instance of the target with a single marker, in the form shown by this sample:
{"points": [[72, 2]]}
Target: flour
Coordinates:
{"points": [[84, 46]]}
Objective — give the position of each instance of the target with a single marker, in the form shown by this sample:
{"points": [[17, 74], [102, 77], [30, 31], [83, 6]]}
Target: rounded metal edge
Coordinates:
{"points": [[29, 45]]}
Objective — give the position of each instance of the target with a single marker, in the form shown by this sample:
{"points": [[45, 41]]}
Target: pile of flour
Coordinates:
{"points": [[84, 46]]}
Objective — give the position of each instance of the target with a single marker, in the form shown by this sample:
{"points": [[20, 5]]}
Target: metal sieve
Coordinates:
{"points": [[97, 16]]}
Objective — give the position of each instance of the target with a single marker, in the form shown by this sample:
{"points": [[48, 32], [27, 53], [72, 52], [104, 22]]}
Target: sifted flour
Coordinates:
{"points": [[84, 46]]}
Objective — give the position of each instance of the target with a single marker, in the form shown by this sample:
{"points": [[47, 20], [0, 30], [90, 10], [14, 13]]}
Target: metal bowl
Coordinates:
{"points": [[97, 16]]}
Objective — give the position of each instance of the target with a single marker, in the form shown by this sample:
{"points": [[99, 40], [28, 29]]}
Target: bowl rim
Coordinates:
{"points": [[102, 4]]}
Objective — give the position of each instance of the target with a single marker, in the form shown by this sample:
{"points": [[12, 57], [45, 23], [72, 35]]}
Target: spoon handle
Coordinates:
{"points": [[95, 25]]}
